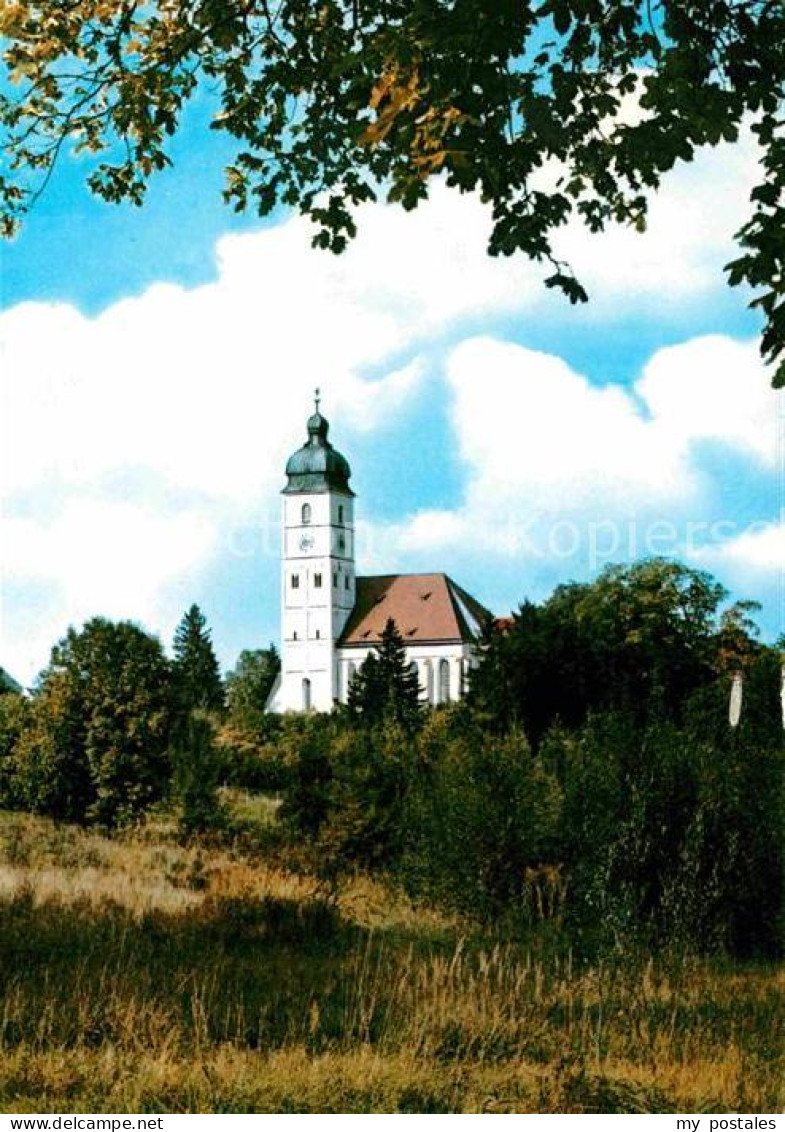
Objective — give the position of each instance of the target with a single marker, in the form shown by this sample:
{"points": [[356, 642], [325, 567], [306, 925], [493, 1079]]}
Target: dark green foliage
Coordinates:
{"points": [[670, 837], [641, 638], [52, 769], [307, 802], [386, 686], [252, 742], [480, 822], [196, 776], [196, 672], [371, 773], [15, 717], [331, 104], [347, 792], [97, 749], [248, 686], [250, 763], [8, 684]]}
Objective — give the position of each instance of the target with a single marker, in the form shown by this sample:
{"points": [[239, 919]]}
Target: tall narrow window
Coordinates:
{"points": [[346, 582], [444, 681], [340, 512], [306, 514], [318, 634], [295, 581], [306, 694], [429, 689], [317, 581], [335, 580]]}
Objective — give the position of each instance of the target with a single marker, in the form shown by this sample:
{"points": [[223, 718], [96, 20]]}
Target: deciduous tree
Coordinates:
{"points": [[100, 747], [640, 638], [248, 686]]}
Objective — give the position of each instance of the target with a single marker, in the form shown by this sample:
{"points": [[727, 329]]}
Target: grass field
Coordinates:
{"points": [[139, 976]]}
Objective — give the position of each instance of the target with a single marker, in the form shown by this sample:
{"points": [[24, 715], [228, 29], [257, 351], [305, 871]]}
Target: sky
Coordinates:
{"points": [[159, 364]]}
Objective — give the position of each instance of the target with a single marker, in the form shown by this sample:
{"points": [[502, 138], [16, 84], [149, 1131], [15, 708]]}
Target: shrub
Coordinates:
{"points": [[480, 819], [15, 718], [248, 762], [670, 837], [196, 777]]}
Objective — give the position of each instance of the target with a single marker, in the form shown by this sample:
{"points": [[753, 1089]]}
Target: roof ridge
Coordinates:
{"points": [[406, 574]]}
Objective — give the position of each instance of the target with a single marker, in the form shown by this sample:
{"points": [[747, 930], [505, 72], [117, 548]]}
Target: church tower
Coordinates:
{"points": [[318, 583]]}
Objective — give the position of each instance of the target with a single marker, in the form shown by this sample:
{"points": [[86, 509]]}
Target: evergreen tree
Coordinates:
{"points": [[197, 676], [386, 687]]}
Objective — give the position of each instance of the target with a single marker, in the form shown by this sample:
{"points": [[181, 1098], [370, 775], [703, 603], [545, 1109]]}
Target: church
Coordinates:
{"points": [[331, 618]]}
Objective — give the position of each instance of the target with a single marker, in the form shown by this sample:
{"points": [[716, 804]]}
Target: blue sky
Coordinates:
{"points": [[159, 365]]}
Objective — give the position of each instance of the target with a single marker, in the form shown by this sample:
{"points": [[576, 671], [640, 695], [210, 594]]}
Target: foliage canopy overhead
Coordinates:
{"points": [[525, 102]]}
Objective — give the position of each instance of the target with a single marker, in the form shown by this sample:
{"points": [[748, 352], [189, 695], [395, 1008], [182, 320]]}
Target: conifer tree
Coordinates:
{"points": [[386, 686], [197, 675]]}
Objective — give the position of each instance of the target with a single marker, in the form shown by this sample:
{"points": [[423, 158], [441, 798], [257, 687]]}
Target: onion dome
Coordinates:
{"points": [[317, 466]]}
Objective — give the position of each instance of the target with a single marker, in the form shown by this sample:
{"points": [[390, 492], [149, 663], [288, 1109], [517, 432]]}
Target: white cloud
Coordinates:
{"points": [[559, 467], [91, 559], [111, 560], [761, 549], [713, 388], [689, 236]]}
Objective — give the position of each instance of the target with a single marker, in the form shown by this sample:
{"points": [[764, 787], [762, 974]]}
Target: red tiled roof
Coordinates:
{"points": [[424, 607]]}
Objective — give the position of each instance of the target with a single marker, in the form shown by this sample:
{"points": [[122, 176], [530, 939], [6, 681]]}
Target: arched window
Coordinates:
{"points": [[306, 694], [414, 668], [306, 514], [428, 668], [444, 681]]}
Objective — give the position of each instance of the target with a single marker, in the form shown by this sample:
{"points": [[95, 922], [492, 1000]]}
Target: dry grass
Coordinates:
{"points": [[136, 975]]}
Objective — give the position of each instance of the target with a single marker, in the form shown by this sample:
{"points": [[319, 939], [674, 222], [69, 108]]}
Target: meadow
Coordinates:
{"points": [[139, 975]]}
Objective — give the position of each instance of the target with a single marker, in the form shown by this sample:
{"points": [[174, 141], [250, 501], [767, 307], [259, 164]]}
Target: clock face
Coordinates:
{"points": [[306, 542]]}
